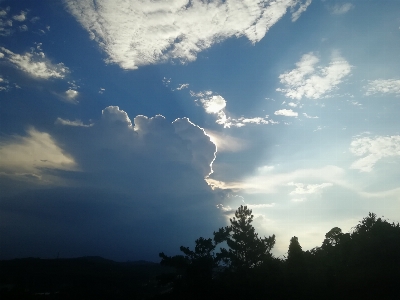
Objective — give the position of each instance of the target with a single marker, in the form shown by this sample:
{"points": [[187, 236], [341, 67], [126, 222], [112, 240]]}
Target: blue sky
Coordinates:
{"points": [[134, 127]]}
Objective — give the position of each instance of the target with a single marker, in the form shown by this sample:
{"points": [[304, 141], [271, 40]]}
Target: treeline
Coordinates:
{"points": [[237, 264]]}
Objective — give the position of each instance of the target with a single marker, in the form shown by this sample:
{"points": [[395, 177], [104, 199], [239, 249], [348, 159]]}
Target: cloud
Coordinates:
{"points": [[31, 153], [23, 28], [182, 86], [216, 104], [309, 117], [373, 150], [71, 94], [286, 113], [311, 81], [5, 23], [35, 64], [21, 17], [138, 178], [340, 9], [268, 182], [383, 86], [66, 122], [158, 31], [302, 8], [302, 188], [227, 143]]}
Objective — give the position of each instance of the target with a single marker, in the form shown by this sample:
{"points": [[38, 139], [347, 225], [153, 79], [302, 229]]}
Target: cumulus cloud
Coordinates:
{"points": [[71, 94], [35, 64], [139, 177], [286, 113], [23, 28], [383, 86], [302, 188], [312, 81], [150, 32], [373, 149], [5, 22], [21, 17], [340, 9], [216, 104]]}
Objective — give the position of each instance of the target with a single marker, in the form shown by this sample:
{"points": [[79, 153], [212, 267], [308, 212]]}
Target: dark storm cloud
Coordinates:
{"points": [[138, 189]]}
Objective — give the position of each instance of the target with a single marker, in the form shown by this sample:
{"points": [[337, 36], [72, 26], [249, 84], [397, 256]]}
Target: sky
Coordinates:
{"points": [[133, 127]]}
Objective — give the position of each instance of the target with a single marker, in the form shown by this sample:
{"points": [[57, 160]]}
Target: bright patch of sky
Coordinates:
{"points": [[157, 119]]}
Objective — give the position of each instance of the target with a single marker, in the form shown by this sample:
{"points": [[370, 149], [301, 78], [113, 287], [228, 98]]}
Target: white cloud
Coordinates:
{"points": [[182, 86], [302, 188], [263, 205], [31, 153], [5, 24], [135, 33], [373, 150], [3, 13], [35, 64], [216, 104], [267, 180], [302, 8], [384, 86], [23, 28], [311, 81], [286, 113], [309, 117], [66, 122], [71, 94], [340, 9], [21, 17]]}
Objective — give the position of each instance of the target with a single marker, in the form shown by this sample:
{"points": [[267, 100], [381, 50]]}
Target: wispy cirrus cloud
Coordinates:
{"points": [[302, 188], [35, 64], [66, 122], [372, 150], [340, 9], [151, 32], [312, 81], [383, 86]]}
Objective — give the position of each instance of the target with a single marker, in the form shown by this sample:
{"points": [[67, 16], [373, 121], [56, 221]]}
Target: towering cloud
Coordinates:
{"points": [[141, 179]]}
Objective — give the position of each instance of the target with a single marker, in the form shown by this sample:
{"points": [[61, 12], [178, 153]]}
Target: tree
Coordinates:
{"points": [[295, 252], [246, 249]]}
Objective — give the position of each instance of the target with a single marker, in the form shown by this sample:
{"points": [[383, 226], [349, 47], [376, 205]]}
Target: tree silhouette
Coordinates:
{"points": [[246, 249]]}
